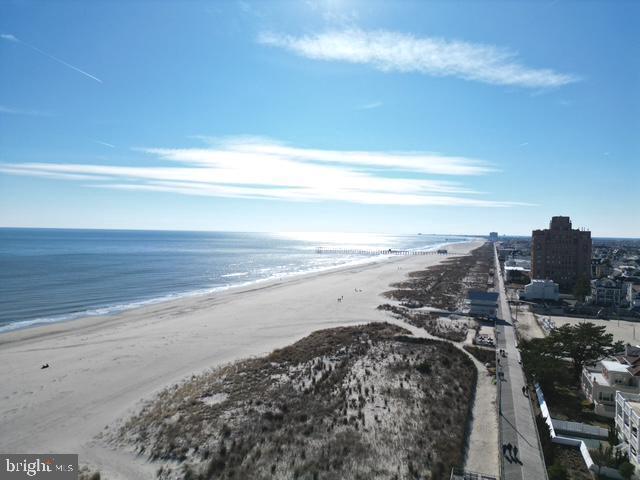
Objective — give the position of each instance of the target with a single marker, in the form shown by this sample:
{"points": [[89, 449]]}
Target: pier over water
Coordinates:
{"points": [[389, 251]]}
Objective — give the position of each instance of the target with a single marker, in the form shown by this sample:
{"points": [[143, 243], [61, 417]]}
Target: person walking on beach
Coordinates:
{"points": [[515, 452], [509, 447], [504, 449]]}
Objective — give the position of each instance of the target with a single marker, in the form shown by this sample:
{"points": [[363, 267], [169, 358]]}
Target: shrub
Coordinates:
{"points": [[484, 355], [626, 469], [424, 367], [558, 471]]}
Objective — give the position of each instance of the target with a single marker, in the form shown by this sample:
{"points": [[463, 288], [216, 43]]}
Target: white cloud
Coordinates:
{"points": [[22, 111], [8, 37], [34, 172], [334, 11], [104, 144], [260, 169], [370, 106], [248, 8], [392, 51], [256, 147]]}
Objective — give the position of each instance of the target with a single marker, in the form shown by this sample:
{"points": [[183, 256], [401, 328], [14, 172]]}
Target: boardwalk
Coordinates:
{"points": [[517, 425]]}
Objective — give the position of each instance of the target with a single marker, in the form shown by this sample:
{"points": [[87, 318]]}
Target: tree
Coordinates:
{"points": [[608, 457], [613, 436], [582, 288], [585, 344], [542, 359], [601, 457], [626, 469]]}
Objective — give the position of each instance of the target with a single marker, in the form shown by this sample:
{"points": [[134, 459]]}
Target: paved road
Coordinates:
{"points": [[516, 419]]}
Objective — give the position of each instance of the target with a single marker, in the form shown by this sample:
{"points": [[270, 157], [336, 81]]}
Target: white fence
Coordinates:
{"points": [[572, 442]]}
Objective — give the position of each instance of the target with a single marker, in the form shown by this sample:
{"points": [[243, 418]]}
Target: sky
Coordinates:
{"points": [[320, 115]]}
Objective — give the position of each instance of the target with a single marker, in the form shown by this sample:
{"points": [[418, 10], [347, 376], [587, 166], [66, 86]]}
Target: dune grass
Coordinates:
{"points": [[444, 285], [350, 403]]}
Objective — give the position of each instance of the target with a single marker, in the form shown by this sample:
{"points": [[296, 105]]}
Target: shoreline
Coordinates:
{"points": [[104, 368], [118, 309]]}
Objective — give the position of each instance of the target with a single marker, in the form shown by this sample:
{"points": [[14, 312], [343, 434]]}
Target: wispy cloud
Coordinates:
{"points": [[35, 172], [392, 51], [252, 148], [248, 8], [104, 144], [22, 111], [334, 11], [12, 38], [524, 144], [9, 37], [257, 168], [369, 106]]}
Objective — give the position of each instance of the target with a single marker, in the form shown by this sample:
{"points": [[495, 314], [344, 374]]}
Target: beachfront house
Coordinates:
{"points": [[541, 290], [619, 374], [516, 274], [484, 304], [627, 417], [608, 292]]}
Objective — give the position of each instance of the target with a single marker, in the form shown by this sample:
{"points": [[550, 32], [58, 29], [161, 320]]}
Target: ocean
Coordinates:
{"points": [[51, 275]]}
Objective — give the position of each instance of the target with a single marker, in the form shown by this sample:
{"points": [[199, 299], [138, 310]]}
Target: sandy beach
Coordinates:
{"points": [[102, 369]]}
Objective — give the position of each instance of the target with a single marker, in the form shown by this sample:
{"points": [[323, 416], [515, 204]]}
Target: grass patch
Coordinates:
{"points": [[86, 473], [483, 355], [453, 331], [444, 285], [571, 459]]}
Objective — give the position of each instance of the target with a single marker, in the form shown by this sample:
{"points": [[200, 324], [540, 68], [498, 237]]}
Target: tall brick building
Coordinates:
{"points": [[561, 253]]}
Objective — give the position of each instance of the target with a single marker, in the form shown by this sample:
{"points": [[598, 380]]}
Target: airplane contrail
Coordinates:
{"points": [[99, 142], [13, 38]]}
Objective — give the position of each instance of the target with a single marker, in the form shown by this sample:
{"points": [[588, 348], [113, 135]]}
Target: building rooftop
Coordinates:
{"points": [[615, 366], [597, 377], [482, 296], [560, 223]]}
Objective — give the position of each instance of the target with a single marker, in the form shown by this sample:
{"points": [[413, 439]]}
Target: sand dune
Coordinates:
{"points": [[103, 368]]}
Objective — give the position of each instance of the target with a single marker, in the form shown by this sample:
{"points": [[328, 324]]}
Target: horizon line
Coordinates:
{"points": [[3, 227]]}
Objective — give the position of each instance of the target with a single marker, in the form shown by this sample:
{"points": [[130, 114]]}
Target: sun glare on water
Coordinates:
{"points": [[343, 239]]}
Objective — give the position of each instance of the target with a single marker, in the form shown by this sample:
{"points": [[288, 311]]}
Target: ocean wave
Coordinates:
{"points": [[278, 272], [237, 274]]}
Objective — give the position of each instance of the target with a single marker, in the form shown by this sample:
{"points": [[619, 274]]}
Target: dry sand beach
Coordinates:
{"points": [[101, 369]]}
